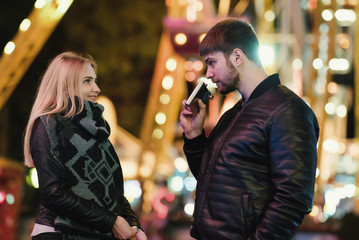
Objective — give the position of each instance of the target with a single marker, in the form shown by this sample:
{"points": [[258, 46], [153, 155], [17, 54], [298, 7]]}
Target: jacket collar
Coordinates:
{"points": [[270, 81]]}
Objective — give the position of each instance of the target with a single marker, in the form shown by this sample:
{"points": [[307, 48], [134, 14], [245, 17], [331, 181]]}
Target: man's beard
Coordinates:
{"points": [[233, 76]]}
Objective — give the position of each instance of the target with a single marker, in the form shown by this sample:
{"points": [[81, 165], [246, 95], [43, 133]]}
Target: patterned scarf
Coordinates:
{"points": [[82, 145]]}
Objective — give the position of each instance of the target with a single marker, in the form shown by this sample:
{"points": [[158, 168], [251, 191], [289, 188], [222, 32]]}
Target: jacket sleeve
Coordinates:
{"points": [[128, 213], [193, 149], [55, 194], [293, 162]]}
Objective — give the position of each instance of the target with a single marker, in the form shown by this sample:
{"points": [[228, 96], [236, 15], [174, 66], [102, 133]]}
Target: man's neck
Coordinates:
{"points": [[250, 77]]}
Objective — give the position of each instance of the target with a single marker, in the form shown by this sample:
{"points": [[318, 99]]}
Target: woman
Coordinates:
{"points": [[80, 176]]}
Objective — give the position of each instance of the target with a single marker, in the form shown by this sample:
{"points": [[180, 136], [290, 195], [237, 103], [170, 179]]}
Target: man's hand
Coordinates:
{"points": [[192, 124]]}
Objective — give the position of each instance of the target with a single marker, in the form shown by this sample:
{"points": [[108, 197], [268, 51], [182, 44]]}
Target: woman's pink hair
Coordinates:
{"points": [[57, 92]]}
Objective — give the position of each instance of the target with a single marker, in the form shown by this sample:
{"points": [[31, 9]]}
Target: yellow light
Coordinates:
{"points": [[157, 133], [171, 64], [160, 118], [200, 38], [165, 99], [315, 211], [180, 38], [9, 48], [32, 179], [199, 6], [167, 82], [40, 4], [181, 164], [25, 24]]}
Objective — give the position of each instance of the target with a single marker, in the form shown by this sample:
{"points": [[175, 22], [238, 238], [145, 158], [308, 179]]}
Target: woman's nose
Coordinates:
{"points": [[95, 88]]}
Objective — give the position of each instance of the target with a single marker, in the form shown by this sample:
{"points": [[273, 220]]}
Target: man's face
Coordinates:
{"points": [[222, 72]]}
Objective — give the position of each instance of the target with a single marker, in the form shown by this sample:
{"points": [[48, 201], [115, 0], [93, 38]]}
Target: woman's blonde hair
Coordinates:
{"points": [[57, 92]]}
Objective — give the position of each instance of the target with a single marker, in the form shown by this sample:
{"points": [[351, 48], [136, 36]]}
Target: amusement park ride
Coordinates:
{"points": [[177, 69]]}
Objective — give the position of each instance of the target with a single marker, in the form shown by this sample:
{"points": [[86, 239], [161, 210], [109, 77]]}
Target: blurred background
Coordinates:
{"points": [[147, 58]]}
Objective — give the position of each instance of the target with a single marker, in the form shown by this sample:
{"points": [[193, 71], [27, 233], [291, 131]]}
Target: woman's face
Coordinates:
{"points": [[88, 86]]}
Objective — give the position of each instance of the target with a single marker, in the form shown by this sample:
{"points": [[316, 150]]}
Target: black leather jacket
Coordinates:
{"points": [[256, 171], [58, 199]]}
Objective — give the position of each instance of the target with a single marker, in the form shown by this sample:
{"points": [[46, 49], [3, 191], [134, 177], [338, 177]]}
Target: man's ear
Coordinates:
{"points": [[237, 56]]}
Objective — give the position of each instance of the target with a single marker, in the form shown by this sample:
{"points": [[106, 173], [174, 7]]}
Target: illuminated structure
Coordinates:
{"points": [[313, 59], [17, 56]]}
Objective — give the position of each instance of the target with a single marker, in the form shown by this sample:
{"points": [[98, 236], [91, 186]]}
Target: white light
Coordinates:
{"points": [[181, 164], [331, 146], [9, 48], [171, 64], [40, 3], [331, 202], [339, 64], [341, 111], [269, 16], [167, 82], [266, 54], [317, 172], [297, 64], [160, 118], [25, 24], [10, 199], [190, 183], [132, 189], [64, 5], [318, 63], [330, 108], [327, 15], [345, 16], [189, 208], [165, 99], [176, 184]]}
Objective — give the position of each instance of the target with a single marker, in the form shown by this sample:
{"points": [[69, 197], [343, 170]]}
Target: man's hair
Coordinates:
{"points": [[229, 34]]}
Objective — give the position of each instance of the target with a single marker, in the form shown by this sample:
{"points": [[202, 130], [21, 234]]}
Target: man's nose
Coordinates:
{"points": [[209, 73]]}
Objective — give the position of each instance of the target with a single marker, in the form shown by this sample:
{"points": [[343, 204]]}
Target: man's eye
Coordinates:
{"points": [[210, 63]]}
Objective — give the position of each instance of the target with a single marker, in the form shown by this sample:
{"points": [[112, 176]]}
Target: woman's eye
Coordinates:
{"points": [[87, 81]]}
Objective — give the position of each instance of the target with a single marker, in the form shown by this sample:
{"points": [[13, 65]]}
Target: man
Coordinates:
{"points": [[256, 171]]}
